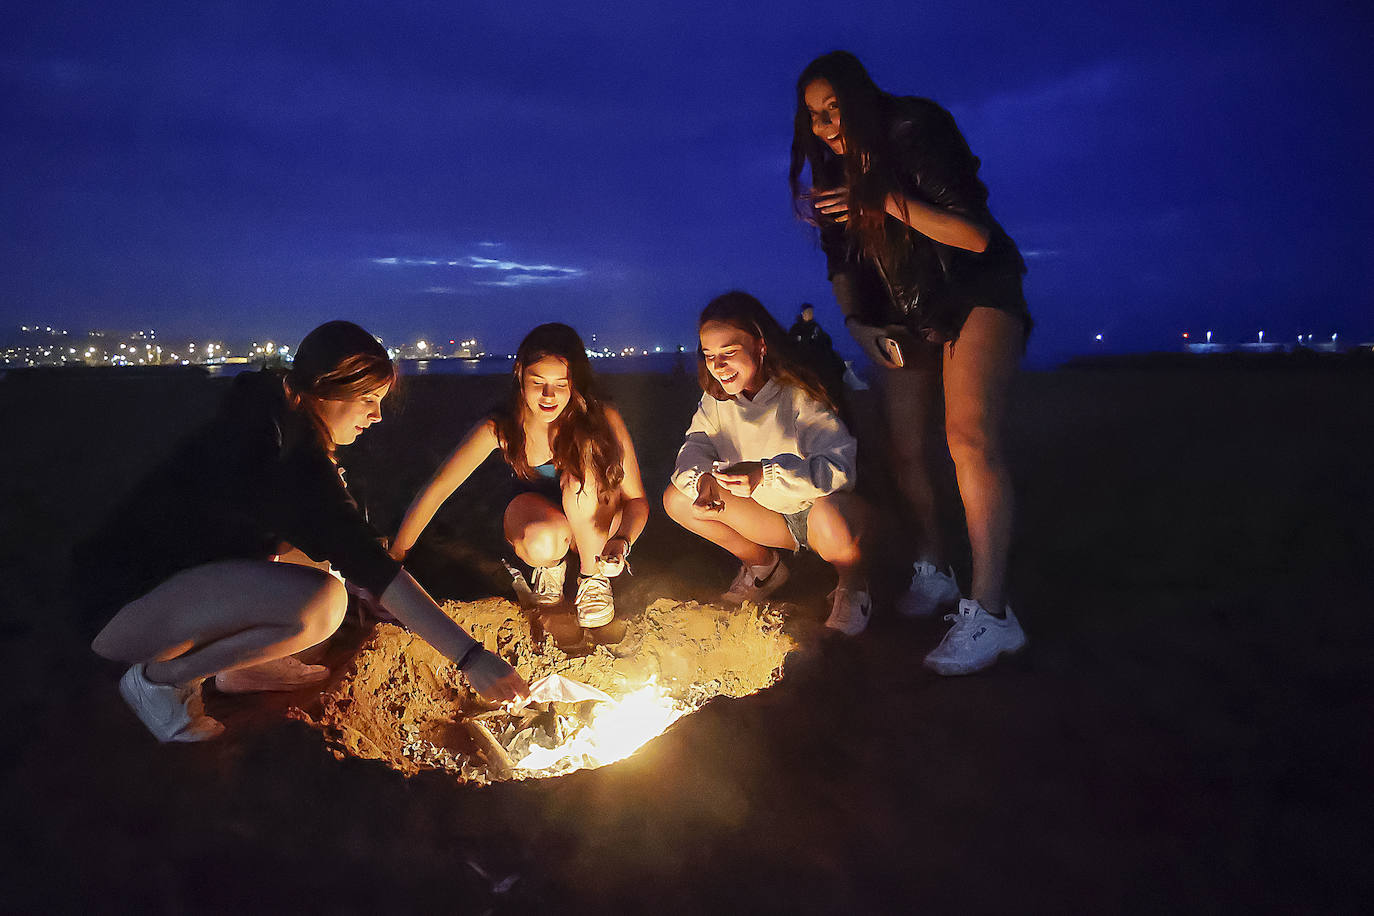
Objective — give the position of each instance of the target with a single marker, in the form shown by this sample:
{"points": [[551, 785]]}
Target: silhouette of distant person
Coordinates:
{"points": [[815, 351]]}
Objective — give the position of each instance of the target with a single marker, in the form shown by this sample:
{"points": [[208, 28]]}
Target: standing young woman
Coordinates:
{"points": [[575, 474], [767, 463], [190, 559], [930, 286]]}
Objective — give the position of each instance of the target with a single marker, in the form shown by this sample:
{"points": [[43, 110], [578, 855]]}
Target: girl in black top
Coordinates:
{"points": [[189, 560], [930, 286]]}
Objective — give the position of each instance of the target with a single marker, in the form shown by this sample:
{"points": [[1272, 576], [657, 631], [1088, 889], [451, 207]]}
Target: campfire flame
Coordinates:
{"points": [[615, 731]]}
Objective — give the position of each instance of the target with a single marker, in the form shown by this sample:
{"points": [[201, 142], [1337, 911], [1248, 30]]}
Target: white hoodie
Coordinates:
{"points": [[806, 450]]}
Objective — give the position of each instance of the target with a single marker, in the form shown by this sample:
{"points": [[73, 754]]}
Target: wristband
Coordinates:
{"points": [[463, 659]]}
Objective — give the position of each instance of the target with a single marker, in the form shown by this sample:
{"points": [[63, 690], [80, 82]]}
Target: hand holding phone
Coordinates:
{"points": [[892, 350]]}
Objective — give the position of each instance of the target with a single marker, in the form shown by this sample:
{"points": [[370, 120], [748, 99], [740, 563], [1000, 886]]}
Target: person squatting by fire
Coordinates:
{"points": [[215, 561], [768, 464], [574, 475]]}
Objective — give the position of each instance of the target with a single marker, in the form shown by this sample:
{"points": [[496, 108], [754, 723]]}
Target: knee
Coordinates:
{"points": [[833, 535], [106, 644], [676, 504], [323, 611], [972, 440], [542, 542]]}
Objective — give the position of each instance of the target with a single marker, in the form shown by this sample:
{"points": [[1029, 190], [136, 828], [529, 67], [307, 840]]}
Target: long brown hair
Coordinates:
{"points": [[581, 438], [868, 166], [741, 310], [338, 361]]}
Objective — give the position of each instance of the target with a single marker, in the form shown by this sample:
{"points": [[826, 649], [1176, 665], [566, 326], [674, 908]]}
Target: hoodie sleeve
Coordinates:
{"points": [[825, 458], [698, 452]]}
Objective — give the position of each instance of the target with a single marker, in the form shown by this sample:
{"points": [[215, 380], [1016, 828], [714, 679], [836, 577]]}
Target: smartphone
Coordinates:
{"points": [[892, 350]]}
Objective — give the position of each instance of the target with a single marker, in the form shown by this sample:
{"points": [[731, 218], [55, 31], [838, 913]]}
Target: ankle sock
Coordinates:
{"points": [[765, 570]]}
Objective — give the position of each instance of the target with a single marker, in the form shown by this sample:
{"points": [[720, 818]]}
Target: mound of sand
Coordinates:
{"points": [[406, 705]]}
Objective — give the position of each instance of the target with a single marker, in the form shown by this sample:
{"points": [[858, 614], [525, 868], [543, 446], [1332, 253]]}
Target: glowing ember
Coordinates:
{"points": [[407, 706]]}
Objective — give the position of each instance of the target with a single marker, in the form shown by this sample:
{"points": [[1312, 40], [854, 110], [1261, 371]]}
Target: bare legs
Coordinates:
{"points": [[542, 535], [978, 369], [743, 527], [222, 616], [975, 373], [835, 527], [911, 402]]}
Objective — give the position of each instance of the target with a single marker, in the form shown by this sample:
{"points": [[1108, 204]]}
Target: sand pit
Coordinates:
{"points": [[406, 705]]}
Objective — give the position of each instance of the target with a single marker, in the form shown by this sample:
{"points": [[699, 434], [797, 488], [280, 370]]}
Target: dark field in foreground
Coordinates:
{"points": [[1190, 727]]}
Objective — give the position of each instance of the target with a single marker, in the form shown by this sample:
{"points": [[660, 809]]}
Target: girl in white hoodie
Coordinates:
{"points": [[768, 463]]}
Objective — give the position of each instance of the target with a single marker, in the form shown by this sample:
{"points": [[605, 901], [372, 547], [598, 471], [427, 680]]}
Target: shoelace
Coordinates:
{"points": [[593, 593], [548, 581]]}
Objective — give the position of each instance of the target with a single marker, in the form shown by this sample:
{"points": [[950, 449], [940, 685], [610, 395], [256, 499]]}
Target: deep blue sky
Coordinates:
{"points": [[234, 168]]}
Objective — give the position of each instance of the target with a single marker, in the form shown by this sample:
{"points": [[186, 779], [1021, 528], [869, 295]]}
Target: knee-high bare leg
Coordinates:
{"points": [[912, 404], [977, 374], [224, 615], [835, 529], [744, 528]]}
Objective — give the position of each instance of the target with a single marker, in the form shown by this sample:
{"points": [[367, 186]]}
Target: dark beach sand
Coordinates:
{"points": [[1189, 729]]}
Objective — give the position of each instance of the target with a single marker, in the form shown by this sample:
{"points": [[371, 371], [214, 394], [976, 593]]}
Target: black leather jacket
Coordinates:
{"points": [[918, 282]]}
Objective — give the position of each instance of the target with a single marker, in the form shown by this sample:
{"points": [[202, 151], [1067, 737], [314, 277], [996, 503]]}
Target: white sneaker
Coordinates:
{"points": [[284, 673], [747, 587], [548, 584], [595, 603], [930, 590], [975, 641], [849, 612], [172, 712]]}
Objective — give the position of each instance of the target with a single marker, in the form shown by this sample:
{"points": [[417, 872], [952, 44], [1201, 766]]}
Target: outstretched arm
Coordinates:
{"points": [[457, 467], [487, 672]]}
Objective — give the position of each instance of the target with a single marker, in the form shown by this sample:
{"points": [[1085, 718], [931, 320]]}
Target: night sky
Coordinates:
{"points": [[455, 169]]}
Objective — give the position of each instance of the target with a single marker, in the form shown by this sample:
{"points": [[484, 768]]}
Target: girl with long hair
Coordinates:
{"points": [[222, 563], [930, 286], [768, 464], [574, 468]]}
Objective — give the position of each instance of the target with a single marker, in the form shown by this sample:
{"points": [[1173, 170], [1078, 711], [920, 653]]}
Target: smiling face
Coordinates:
{"points": [[734, 357], [347, 419], [824, 106], [546, 388]]}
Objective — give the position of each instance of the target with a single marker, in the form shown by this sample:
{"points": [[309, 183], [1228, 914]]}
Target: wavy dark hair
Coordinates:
{"points": [[868, 166], [338, 361], [740, 310], [581, 438]]}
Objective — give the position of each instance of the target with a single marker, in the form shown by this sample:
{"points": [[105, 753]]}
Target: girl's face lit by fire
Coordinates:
{"points": [[346, 420], [546, 388], [825, 114], [733, 357]]}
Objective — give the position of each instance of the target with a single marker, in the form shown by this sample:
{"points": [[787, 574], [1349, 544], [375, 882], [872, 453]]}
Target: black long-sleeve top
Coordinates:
{"points": [[252, 478]]}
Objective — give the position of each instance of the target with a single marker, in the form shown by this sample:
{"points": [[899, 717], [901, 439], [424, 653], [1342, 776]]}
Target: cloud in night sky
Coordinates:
{"points": [[483, 271]]}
